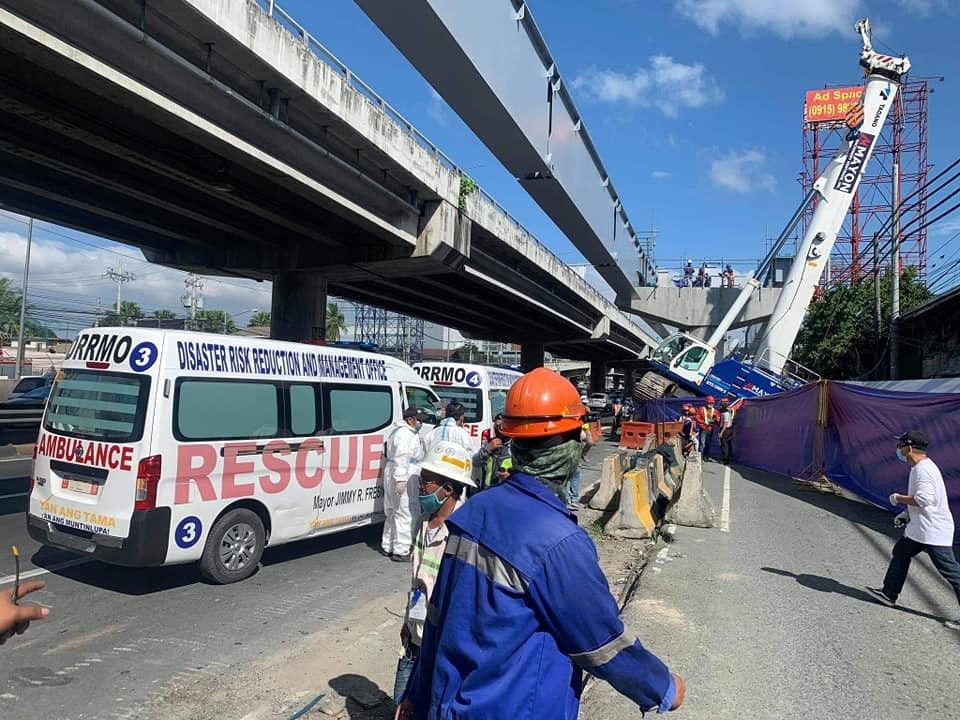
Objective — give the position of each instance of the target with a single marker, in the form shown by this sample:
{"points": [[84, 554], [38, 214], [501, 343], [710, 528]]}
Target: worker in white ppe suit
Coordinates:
{"points": [[400, 504], [450, 429]]}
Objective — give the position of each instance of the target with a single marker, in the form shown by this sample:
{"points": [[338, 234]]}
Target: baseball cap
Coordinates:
{"points": [[914, 439], [411, 412]]}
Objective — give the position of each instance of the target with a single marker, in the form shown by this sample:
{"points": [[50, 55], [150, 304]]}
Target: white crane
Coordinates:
{"points": [[692, 363]]}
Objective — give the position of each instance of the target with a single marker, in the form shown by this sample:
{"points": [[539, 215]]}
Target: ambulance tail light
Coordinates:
{"points": [[148, 476], [485, 437]]}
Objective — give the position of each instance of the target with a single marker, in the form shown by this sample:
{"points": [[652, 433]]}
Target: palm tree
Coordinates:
{"points": [[260, 319], [336, 324]]}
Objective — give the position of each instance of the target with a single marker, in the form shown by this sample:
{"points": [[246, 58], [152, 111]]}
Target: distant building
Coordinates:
{"points": [[930, 338]]}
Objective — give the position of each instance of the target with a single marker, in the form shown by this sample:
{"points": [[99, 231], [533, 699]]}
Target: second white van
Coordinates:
{"points": [[482, 391]]}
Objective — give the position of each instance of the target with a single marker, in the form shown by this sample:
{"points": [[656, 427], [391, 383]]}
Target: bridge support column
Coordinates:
{"points": [[298, 310], [598, 376], [531, 356], [628, 382]]}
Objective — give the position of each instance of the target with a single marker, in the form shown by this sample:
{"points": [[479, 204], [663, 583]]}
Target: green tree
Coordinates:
{"points": [[336, 324], [260, 319], [839, 339], [163, 314], [129, 313], [468, 353], [9, 308], [213, 321]]}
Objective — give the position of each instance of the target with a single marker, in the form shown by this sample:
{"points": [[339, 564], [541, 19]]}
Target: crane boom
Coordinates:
{"points": [[835, 190], [685, 361]]}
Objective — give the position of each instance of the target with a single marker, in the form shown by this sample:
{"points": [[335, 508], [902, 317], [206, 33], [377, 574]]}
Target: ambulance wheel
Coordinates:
{"points": [[233, 548]]}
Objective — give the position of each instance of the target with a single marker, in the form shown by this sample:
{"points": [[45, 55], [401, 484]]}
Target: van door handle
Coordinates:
{"points": [[258, 450]]}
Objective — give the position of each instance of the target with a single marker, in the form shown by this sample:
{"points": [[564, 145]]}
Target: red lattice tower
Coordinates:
{"points": [[903, 141]]}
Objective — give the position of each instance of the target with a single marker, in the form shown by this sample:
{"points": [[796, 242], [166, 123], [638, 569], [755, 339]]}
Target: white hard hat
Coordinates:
{"points": [[451, 461]]}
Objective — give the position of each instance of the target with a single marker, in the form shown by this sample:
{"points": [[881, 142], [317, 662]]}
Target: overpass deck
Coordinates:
{"points": [[222, 140]]}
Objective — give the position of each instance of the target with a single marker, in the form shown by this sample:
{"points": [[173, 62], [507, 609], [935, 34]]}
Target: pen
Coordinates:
{"points": [[16, 582]]}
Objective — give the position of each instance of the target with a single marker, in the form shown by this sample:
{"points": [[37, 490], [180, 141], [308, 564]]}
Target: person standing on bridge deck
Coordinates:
{"points": [[445, 474], [450, 428], [709, 419], [403, 451], [928, 520], [521, 606]]}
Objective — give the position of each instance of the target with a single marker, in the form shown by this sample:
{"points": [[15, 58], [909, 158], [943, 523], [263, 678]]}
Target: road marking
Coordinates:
{"points": [[725, 509], [6, 580]]}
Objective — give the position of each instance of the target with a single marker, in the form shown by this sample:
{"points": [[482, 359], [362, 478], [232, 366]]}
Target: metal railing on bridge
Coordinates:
{"points": [[286, 21]]}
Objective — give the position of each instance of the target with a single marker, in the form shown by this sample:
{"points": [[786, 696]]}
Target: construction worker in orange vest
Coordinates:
{"points": [[709, 421]]}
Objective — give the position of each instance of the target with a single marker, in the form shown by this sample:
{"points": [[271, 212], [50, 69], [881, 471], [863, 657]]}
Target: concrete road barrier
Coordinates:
{"points": [[693, 507], [611, 478], [634, 518]]}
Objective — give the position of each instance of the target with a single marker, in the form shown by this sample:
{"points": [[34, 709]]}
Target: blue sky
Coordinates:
{"points": [[695, 106]]}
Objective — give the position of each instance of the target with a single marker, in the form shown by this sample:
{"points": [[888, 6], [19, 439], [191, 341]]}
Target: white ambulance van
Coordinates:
{"points": [[161, 447], [480, 389]]}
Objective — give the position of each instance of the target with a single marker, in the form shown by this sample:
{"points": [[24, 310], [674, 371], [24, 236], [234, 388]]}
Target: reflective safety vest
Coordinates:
{"points": [[708, 415]]}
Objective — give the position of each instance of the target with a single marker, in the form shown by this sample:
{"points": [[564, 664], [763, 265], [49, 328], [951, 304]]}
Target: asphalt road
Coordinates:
{"points": [[769, 619], [117, 637]]}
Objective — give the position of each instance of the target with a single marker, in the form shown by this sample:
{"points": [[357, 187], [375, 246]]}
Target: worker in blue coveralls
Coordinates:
{"points": [[521, 606]]}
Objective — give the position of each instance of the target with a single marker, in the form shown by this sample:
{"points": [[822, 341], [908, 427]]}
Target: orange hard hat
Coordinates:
{"points": [[540, 404], [710, 399]]}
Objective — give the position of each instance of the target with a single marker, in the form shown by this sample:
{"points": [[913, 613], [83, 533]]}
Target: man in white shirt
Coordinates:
{"points": [[929, 523], [403, 451], [450, 429]]}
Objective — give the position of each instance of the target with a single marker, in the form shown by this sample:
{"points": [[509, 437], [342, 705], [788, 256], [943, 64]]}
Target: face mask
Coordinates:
{"points": [[553, 467], [418, 426], [429, 504], [900, 456]]}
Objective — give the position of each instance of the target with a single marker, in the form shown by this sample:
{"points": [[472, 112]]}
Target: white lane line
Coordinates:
{"points": [[725, 509], [7, 579]]}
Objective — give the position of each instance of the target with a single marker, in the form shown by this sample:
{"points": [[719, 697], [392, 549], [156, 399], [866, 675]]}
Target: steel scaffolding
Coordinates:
{"points": [[904, 142], [398, 335]]}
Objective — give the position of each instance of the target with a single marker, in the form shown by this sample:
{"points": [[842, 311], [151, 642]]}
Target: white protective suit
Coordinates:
{"points": [[400, 502], [449, 431]]}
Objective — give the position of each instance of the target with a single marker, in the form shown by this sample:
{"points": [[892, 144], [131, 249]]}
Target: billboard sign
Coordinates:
{"points": [[830, 104]]}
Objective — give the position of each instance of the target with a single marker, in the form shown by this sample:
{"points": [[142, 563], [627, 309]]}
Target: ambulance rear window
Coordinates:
{"points": [[471, 399], [98, 405]]}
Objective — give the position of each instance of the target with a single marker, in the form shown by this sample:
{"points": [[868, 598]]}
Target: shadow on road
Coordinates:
{"points": [[872, 517], [829, 585], [368, 535], [868, 521], [13, 505], [365, 699]]}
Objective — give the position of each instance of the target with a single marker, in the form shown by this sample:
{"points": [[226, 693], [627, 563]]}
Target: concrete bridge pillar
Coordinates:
{"points": [[598, 376], [298, 310], [531, 356], [628, 382]]}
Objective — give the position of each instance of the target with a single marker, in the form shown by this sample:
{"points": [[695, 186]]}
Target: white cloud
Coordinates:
{"points": [[660, 174], [923, 7], [67, 279], [786, 18], [668, 85], [437, 108], [947, 226], [742, 172]]}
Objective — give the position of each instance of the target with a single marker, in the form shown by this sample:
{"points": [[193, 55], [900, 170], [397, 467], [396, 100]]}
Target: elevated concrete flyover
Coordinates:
{"points": [[222, 140], [699, 310]]}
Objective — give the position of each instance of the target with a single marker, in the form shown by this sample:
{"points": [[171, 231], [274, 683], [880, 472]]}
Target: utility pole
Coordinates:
{"points": [[876, 283], [193, 300], [96, 322], [119, 277], [895, 277], [18, 368]]}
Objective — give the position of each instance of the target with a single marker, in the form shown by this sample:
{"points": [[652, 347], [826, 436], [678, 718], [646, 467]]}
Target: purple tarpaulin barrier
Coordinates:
{"points": [[775, 433], [859, 447]]}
